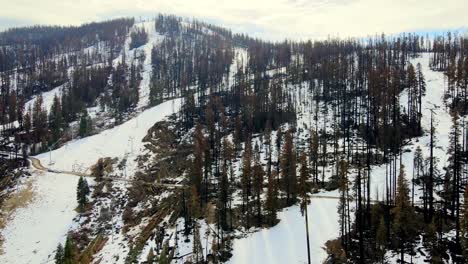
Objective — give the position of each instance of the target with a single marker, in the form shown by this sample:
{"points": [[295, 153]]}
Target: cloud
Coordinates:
{"points": [[271, 19]]}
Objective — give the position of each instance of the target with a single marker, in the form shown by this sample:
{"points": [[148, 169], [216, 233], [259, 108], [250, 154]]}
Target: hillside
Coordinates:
{"points": [[178, 141]]}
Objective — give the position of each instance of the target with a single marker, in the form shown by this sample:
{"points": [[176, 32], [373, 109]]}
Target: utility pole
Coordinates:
{"points": [[306, 203]]}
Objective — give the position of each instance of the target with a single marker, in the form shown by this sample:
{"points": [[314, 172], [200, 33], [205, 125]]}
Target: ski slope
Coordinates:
{"points": [[433, 100], [47, 97], [122, 140], [286, 242], [34, 232]]}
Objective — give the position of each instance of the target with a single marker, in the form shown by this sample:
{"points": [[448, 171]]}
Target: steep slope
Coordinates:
{"points": [[34, 232]]}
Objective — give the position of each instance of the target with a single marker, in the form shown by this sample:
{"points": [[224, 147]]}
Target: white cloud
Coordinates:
{"points": [[272, 19]]}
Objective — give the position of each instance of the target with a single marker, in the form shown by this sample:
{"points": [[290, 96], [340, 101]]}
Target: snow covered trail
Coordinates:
{"points": [[153, 40], [435, 88], [120, 141], [47, 97], [131, 56], [286, 242], [34, 232]]}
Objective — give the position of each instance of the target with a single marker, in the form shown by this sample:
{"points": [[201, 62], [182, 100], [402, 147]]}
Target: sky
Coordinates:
{"points": [[268, 19]]}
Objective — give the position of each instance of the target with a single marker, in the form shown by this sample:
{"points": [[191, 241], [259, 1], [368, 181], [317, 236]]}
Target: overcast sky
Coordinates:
{"points": [[270, 19]]}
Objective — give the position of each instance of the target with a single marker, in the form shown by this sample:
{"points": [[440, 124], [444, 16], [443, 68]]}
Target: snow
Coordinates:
{"points": [[48, 98], [153, 40], [286, 242], [14, 124], [34, 232], [49, 217], [79, 155], [435, 88]]}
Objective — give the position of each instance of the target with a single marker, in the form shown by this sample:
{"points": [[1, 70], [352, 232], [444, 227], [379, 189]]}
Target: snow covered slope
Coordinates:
{"points": [[286, 242], [79, 155], [34, 232], [433, 100]]}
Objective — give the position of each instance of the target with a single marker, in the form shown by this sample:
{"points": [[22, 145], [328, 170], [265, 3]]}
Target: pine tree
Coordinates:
{"points": [[59, 254], [85, 125], [55, 118], [432, 242], [455, 166], [288, 169], [150, 258], [271, 203], [39, 119], [418, 173], [164, 257], [69, 252], [343, 204], [195, 205], [464, 224], [28, 120], [413, 97], [258, 175], [197, 244], [246, 179], [82, 193], [303, 178], [228, 153], [421, 92], [278, 142], [381, 238], [197, 167], [313, 154], [404, 216], [223, 196]]}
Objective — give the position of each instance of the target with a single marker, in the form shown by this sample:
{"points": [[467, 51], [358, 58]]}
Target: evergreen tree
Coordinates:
{"points": [[246, 179], [197, 167], [404, 216], [421, 92], [150, 258], [85, 124], [381, 239], [195, 205], [56, 119], [303, 177], [464, 224], [313, 154], [258, 175], [69, 252], [343, 204], [164, 257], [271, 203], [82, 193], [223, 196], [59, 254], [197, 244], [288, 169]]}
